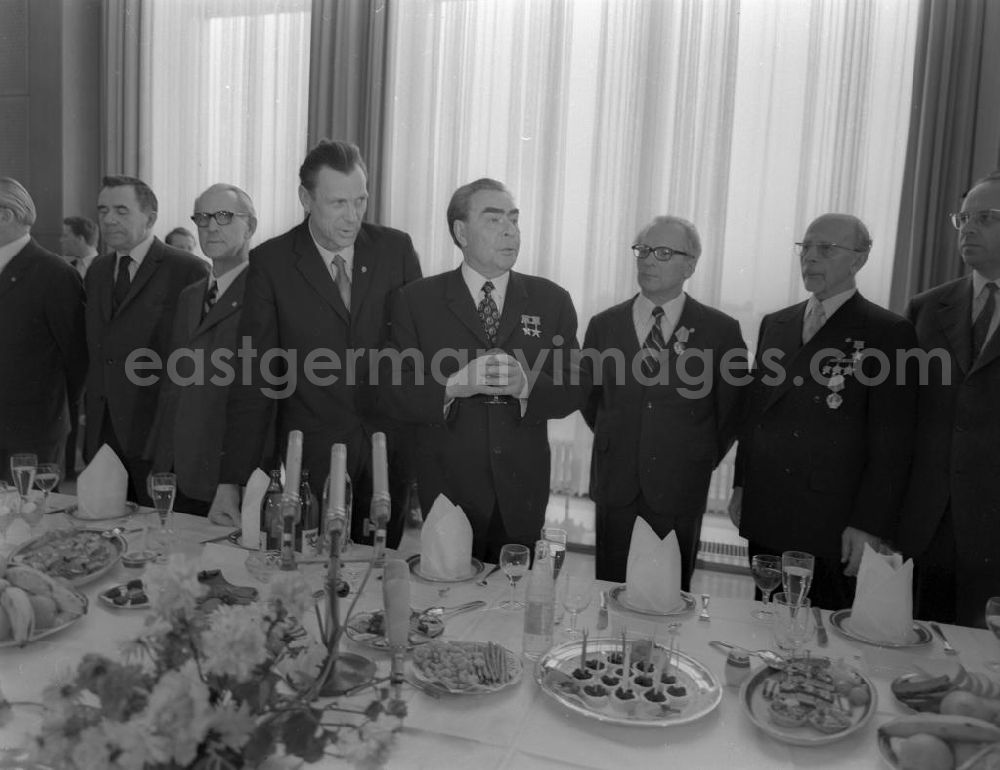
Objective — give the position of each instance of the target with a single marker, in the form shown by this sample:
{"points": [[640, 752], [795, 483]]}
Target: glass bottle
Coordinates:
{"points": [[307, 536], [270, 513], [540, 599]]}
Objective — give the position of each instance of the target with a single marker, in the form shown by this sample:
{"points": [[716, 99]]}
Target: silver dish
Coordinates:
{"points": [[618, 598], [513, 663], [475, 569], [839, 620], [21, 554], [131, 509], [756, 707], [559, 662], [355, 630]]}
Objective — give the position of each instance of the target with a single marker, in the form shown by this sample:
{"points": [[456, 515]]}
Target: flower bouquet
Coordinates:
{"points": [[221, 690]]}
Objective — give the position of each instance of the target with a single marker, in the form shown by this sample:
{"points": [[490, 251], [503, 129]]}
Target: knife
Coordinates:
{"points": [[821, 636], [602, 612]]}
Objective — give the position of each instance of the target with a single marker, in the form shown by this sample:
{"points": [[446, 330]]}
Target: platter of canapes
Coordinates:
{"points": [[78, 556], [628, 682], [465, 668], [812, 701], [368, 628]]}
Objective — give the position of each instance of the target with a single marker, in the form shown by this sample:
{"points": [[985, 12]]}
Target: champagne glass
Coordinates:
{"points": [[163, 489], [792, 622], [575, 599], [797, 573], [556, 538], [22, 468], [766, 571], [514, 560], [47, 479], [993, 623]]}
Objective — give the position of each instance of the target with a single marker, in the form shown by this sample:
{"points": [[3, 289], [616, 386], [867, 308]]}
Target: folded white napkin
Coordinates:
{"points": [[883, 599], [445, 541], [250, 510], [101, 487], [653, 574]]}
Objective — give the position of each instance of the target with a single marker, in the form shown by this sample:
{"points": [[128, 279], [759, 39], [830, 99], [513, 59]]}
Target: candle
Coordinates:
{"points": [[396, 599], [336, 508], [293, 463], [380, 467]]}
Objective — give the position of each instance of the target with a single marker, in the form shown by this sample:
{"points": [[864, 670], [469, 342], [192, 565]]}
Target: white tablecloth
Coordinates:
{"points": [[521, 727]]}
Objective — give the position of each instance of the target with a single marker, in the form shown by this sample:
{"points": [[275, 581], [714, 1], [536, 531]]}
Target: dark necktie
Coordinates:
{"points": [[653, 345], [982, 325], [122, 282], [210, 297], [489, 315], [342, 281]]}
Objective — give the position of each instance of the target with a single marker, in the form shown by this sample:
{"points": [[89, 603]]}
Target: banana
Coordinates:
{"points": [[945, 726], [70, 602], [22, 616], [31, 580]]}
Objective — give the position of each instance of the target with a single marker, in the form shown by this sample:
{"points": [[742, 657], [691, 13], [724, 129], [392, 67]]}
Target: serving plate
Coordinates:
{"points": [[73, 511], [58, 591], [69, 554], [131, 596], [475, 569], [618, 598], [758, 707], [464, 668], [553, 673], [840, 620], [422, 630]]}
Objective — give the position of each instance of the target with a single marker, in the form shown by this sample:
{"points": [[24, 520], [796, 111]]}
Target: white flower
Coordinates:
{"points": [[174, 587], [293, 592], [233, 725], [306, 665], [235, 642], [176, 716], [91, 750], [129, 738]]}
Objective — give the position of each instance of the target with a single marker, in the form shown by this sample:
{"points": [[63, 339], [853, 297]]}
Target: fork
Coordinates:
{"points": [[703, 615], [948, 649]]}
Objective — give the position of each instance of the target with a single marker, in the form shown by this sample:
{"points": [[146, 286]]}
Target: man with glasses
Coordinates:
{"points": [[190, 420], [665, 403], [825, 446], [951, 514], [131, 300]]}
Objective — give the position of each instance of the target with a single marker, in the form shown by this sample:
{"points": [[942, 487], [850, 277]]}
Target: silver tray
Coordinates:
{"points": [[117, 541], [53, 629], [703, 687], [839, 622], [475, 569], [435, 627], [755, 706], [617, 597]]}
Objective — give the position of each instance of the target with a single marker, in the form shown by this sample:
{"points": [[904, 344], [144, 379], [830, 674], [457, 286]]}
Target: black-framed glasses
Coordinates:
{"points": [[201, 218], [823, 248], [980, 218], [661, 253]]}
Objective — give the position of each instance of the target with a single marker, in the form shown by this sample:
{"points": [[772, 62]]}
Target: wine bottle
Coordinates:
{"points": [[307, 535], [540, 600], [270, 513]]}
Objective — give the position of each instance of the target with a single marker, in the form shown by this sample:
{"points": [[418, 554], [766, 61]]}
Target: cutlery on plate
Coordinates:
{"points": [[602, 612], [427, 689], [822, 638], [703, 615], [445, 612], [949, 650], [484, 578], [770, 658]]}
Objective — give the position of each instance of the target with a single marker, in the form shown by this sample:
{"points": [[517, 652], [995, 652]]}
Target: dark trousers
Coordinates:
{"points": [[487, 548], [614, 535], [831, 588], [72, 440], [137, 468]]}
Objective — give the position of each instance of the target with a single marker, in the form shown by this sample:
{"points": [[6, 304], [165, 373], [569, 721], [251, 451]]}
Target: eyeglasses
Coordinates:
{"points": [[978, 218], [823, 249], [201, 218], [662, 253]]}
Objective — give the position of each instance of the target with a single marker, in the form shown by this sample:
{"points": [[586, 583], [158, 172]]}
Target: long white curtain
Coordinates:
{"points": [[230, 79], [750, 117]]}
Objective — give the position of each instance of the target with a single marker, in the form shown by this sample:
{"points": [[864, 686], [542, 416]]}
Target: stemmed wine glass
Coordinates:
{"points": [[993, 622], [575, 598], [22, 468], [514, 560], [556, 538], [163, 489], [797, 574], [47, 479], [766, 571]]}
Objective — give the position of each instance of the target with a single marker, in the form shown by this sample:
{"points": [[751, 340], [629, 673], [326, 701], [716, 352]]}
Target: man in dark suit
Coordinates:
{"points": [[665, 401], [318, 293], [131, 299], [190, 422], [951, 515], [43, 352], [825, 448], [464, 337]]}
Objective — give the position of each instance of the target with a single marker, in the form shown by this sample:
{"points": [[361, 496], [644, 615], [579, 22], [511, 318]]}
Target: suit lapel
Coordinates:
{"points": [[103, 269], [460, 303], [514, 305], [230, 302], [149, 265], [316, 273], [786, 335], [15, 269], [193, 319], [364, 267], [955, 321]]}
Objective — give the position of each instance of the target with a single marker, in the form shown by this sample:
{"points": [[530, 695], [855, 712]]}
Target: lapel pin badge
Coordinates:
{"points": [[531, 325]]}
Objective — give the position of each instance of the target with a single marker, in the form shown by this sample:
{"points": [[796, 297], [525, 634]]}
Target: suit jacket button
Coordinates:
{"points": [[788, 471], [816, 399], [110, 361], [497, 450], [795, 434]]}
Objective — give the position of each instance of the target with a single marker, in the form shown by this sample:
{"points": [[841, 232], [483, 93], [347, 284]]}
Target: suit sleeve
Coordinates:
{"points": [[742, 450], [558, 389], [595, 391], [891, 425], [65, 310], [732, 379]]}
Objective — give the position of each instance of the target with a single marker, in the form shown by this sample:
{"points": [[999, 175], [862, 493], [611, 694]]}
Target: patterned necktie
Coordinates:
{"points": [[211, 295], [981, 328], [654, 345], [489, 315], [815, 318], [123, 281], [342, 281]]}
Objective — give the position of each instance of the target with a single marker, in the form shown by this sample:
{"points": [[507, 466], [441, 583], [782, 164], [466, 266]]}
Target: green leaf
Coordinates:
{"points": [[260, 746], [300, 736]]}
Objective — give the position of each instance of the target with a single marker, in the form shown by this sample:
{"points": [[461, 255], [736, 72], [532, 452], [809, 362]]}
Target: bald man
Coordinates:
{"points": [[825, 447]]}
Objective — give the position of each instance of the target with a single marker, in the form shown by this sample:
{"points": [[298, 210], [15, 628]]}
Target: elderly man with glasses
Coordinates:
{"points": [[826, 441], [951, 513], [665, 400]]}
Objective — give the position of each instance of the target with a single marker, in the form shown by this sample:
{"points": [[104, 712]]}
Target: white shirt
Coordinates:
{"points": [[347, 253], [138, 253], [979, 299], [475, 283], [642, 316], [12, 249], [830, 306], [225, 280], [82, 264]]}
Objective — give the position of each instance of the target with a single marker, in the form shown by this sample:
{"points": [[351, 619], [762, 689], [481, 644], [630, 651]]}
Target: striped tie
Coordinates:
{"points": [[210, 297], [488, 313], [653, 345]]}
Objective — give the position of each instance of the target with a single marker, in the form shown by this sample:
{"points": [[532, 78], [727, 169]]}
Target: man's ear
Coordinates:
{"points": [[459, 231], [304, 198], [150, 220], [859, 262]]}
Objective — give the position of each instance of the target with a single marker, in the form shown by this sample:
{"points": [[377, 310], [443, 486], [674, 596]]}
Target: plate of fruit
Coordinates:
{"points": [[34, 605], [939, 742], [925, 691]]}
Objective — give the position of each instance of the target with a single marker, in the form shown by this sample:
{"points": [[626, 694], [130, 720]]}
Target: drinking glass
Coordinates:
{"points": [[47, 479], [575, 598], [797, 573], [766, 571], [556, 538], [792, 622], [22, 469], [514, 560], [993, 622], [163, 489]]}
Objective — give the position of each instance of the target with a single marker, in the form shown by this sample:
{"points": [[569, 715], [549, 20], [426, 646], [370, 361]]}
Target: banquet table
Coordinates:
{"points": [[519, 727]]}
